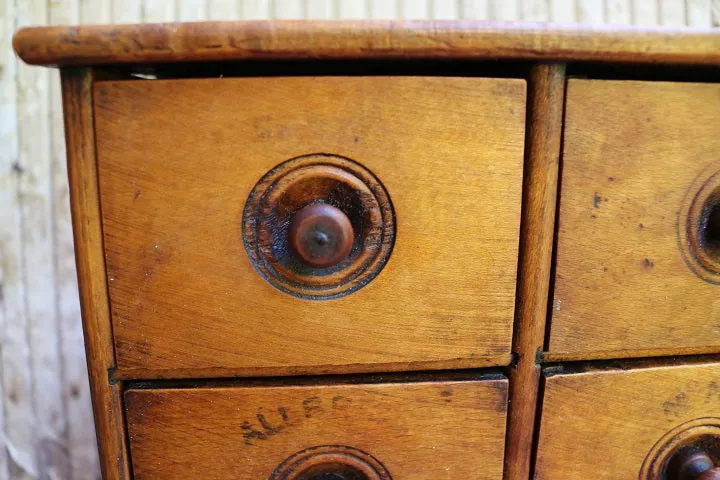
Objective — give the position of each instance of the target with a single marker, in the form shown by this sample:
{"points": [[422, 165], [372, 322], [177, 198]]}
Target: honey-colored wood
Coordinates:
{"points": [[542, 158], [634, 153], [16, 414], [602, 424], [174, 177], [426, 430], [215, 41], [92, 279]]}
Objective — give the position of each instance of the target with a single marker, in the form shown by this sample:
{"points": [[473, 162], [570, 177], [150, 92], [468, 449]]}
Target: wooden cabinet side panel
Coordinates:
{"points": [[87, 230]]}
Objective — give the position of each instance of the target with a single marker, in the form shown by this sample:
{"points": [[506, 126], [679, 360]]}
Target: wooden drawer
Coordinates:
{"points": [[178, 159], [638, 249], [624, 424], [425, 430]]}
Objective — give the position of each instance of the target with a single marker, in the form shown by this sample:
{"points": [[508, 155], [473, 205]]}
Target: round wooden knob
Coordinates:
{"points": [[712, 474], [335, 472], [695, 466], [321, 235]]}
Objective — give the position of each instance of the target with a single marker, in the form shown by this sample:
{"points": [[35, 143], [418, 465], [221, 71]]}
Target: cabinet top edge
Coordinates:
{"points": [[362, 39]]}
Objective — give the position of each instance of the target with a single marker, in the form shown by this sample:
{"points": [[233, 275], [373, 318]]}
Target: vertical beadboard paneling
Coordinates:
{"points": [[474, 9], [505, 9], [17, 457], [123, 11], [158, 10], [320, 9], [535, 10], [190, 10], [38, 256], [645, 12], [672, 13], [382, 9], [223, 9], [618, 12], [563, 11], [95, 11], [354, 9], [45, 413], [697, 13], [444, 10], [715, 13], [414, 9], [254, 9], [7, 138], [591, 11], [288, 9]]}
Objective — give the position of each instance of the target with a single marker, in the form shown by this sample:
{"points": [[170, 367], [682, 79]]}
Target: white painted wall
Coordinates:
{"points": [[45, 416]]}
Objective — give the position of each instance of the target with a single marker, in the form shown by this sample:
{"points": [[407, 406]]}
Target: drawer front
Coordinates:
{"points": [[403, 430], [638, 249], [179, 159], [628, 425]]}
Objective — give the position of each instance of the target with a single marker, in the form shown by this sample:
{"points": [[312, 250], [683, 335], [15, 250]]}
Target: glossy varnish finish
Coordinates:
{"points": [[215, 41], [603, 424], [425, 430], [186, 300], [87, 229], [634, 153]]}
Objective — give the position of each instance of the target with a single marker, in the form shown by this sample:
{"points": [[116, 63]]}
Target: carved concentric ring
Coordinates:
{"points": [[698, 228], [318, 178], [331, 461], [702, 434]]}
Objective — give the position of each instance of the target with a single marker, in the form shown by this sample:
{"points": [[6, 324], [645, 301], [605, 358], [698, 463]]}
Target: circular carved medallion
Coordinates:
{"points": [[318, 226]]}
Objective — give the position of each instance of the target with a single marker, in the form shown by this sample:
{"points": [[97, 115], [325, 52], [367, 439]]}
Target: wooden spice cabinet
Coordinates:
{"points": [[387, 250]]}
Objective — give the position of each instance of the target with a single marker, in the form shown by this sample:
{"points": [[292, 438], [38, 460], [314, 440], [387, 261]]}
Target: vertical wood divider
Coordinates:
{"points": [[94, 302], [546, 98]]}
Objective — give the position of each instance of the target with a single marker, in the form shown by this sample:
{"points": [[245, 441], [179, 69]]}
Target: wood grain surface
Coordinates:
{"points": [[214, 41], [18, 409], [427, 430], [92, 279], [633, 153], [186, 300], [79, 429], [542, 158], [602, 424]]}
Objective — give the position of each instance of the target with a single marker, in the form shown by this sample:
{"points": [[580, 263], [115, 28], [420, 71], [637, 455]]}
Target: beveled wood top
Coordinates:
{"points": [[222, 41]]}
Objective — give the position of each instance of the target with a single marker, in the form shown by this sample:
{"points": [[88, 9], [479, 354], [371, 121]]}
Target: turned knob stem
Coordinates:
{"points": [[321, 235], [712, 474], [696, 466]]}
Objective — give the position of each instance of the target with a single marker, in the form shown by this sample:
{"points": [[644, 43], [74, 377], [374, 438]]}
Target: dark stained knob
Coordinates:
{"points": [[321, 235], [694, 466], [329, 476], [344, 474], [712, 474]]}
